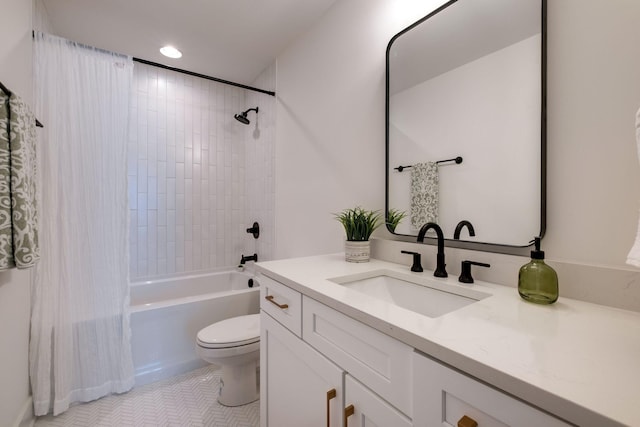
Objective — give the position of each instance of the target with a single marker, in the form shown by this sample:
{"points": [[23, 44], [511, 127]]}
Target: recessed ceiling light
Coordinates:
{"points": [[171, 52]]}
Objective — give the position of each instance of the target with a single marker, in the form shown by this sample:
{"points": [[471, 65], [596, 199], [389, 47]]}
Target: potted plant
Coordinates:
{"points": [[358, 225], [394, 217]]}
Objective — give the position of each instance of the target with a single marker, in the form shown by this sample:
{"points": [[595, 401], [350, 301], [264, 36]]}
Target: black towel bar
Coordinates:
{"points": [[458, 160]]}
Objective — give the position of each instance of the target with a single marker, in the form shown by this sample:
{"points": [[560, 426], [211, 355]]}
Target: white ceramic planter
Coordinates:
{"points": [[357, 251]]}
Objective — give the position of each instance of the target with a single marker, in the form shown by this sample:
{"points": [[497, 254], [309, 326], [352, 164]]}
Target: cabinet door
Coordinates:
{"points": [[364, 408], [443, 397], [377, 360], [296, 382]]}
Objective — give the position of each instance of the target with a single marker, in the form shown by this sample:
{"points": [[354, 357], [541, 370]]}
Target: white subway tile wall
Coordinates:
{"points": [[260, 166], [197, 178]]}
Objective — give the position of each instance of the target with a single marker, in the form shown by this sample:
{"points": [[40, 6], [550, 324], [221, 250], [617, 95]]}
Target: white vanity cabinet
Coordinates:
{"points": [[319, 367], [282, 303], [364, 408], [301, 386], [490, 363], [378, 366], [446, 397], [298, 386]]}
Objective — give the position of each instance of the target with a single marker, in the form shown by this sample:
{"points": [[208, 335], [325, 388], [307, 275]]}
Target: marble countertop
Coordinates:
{"points": [[577, 360]]}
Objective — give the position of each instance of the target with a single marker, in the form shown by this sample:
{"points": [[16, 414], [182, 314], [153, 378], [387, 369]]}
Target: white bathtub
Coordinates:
{"points": [[166, 315]]}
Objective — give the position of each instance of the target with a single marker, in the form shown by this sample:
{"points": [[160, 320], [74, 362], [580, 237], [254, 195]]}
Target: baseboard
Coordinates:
{"points": [[145, 376], [25, 417]]}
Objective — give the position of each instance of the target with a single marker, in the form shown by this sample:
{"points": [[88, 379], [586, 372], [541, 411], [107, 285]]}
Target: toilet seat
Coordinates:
{"points": [[234, 332]]}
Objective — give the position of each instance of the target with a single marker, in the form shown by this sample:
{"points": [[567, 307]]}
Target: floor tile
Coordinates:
{"points": [[184, 400]]}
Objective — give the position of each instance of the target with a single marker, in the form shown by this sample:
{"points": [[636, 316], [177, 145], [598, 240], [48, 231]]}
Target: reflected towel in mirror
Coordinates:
{"points": [[424, 194], [634, 254]]}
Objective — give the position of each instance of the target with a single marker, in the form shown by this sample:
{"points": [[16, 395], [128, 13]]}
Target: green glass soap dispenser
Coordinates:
{"points": [[537, 282]]}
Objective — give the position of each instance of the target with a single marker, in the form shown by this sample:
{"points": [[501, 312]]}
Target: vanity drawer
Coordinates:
{"points": [[443, 396], [282, 303], [375, 359]]}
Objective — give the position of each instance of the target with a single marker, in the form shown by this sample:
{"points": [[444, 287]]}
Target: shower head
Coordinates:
{"points": [[242, 117]]}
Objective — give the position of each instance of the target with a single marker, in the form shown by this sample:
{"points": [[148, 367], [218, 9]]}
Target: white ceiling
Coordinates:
{"points": [[230, 39]]}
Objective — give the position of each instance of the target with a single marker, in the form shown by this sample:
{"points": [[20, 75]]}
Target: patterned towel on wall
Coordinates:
{"points": [[18, 214], [424, 194]]}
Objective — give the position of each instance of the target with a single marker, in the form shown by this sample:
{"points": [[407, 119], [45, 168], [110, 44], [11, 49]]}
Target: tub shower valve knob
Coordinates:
{"points": [[255, 230]]}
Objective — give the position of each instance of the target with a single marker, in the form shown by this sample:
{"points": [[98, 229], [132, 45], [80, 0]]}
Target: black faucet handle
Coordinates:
{"points": [[465, 273], [255, 230], [417, 262]]}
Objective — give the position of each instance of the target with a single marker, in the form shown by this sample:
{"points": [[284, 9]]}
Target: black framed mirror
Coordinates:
{"points": [[466, 124]]}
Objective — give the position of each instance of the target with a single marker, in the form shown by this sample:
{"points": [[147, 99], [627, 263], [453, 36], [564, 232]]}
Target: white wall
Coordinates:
{"points": [[330, 128], [41, 20], [330, 121], [594, 93], [16, 74]]}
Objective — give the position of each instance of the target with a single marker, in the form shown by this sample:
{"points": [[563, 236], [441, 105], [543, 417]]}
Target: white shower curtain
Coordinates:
{"points": [[80, 338]]}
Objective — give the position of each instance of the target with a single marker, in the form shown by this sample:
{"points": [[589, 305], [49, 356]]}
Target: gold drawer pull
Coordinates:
{"points": [[281, 306], [467, 422], [330, 395], [348, 411]]}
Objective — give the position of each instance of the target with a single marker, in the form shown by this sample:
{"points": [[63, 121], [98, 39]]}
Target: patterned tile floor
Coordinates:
{"points": [[184, 400]]}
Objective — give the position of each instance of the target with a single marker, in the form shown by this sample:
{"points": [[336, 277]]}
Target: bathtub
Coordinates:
{"points": [[166, 315]]}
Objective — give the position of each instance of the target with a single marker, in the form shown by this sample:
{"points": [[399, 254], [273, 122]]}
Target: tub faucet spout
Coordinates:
{"points": [[244, 259], [440, 268]]}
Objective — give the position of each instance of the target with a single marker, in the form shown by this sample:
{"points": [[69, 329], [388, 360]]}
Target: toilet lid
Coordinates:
{"points": [[231, 332]]}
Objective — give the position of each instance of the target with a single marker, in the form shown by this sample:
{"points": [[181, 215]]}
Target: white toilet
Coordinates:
{"points": [[234, 344]]}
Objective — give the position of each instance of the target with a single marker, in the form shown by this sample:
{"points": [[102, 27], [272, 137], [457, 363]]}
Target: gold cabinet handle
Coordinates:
{"points": [[348, 411], [330, 395], [467, 422], [280, 306]]}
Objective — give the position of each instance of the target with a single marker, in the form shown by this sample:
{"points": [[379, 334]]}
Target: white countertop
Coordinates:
{"points": [[577, 360]]}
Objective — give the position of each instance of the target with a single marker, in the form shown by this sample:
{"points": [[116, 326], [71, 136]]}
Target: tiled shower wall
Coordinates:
{"points": [[260, 166], [187, 173]]}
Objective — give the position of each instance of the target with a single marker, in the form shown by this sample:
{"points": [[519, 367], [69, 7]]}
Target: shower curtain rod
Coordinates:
{"points": [[178, 70], [9, 93], [204, 76]]}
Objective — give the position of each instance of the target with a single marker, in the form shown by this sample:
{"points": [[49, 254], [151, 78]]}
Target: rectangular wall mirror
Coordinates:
{"points": [[468, 82]]}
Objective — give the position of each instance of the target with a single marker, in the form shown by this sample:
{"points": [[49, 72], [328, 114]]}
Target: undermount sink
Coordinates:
{"points": [[421, 295]]}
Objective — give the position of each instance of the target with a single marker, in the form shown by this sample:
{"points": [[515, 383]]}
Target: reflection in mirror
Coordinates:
{"points": [[467, 81]]}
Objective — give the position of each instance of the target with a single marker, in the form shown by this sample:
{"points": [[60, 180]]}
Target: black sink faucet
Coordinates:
{"points": [[253, 257], [440, 267], [460, 226]]}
